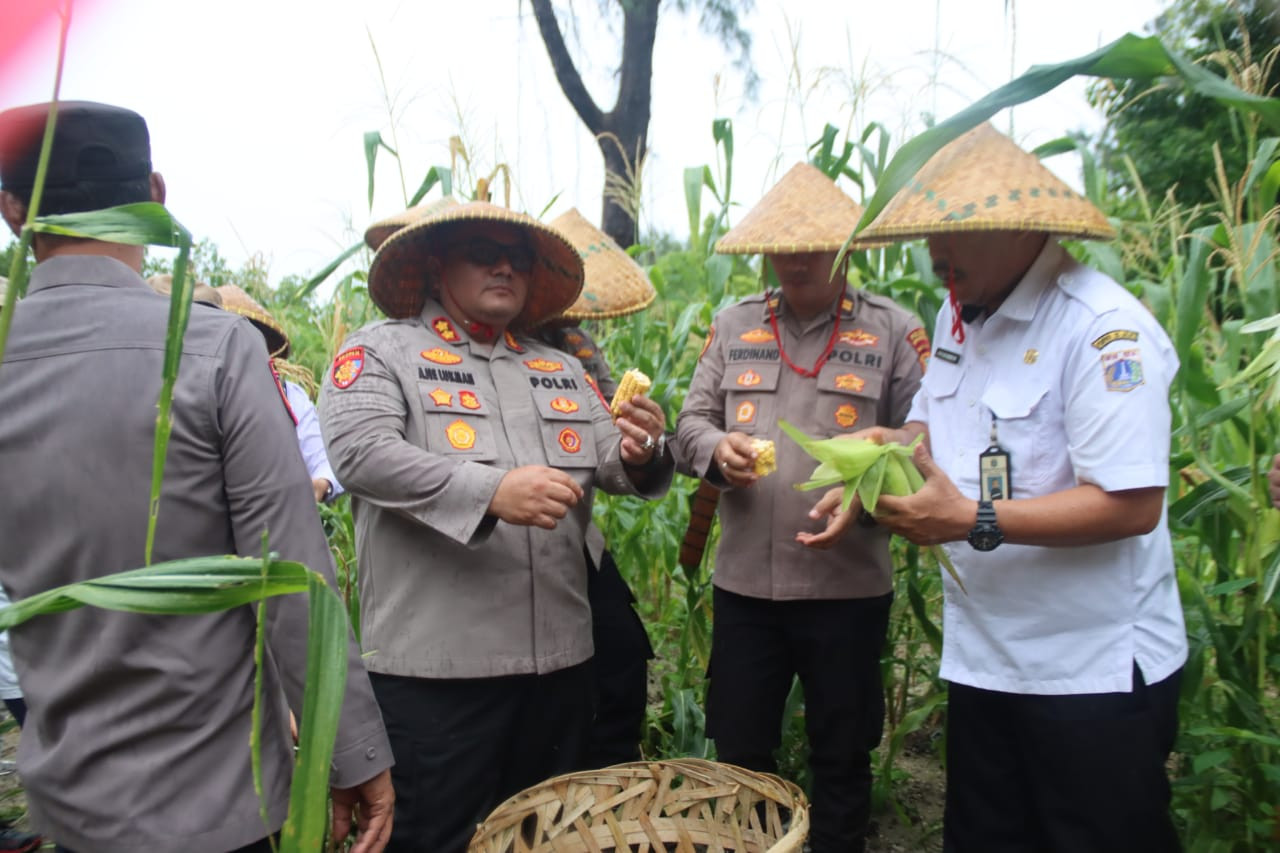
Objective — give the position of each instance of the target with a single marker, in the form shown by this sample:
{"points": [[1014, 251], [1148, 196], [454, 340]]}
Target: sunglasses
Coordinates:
{"points": [[484, 252]]}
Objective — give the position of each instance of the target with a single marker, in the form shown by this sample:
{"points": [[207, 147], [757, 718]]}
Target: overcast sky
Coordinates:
{"points": [[258, 108]]}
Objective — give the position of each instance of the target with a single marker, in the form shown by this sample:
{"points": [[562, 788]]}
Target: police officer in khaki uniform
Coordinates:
{"points": [[470, 451], [826, 357]]}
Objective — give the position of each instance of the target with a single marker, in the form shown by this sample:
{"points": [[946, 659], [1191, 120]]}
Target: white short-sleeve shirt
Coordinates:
{"points": [[1076, 372]]}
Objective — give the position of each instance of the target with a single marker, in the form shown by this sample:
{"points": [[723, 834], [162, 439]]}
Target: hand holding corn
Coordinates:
{"points": [[742, 459], [633, 382], [867, 470]]}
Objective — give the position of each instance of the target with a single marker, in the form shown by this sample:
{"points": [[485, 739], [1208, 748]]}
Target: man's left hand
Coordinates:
{"points": [[376, 800], [937, 513], [641, 422]]}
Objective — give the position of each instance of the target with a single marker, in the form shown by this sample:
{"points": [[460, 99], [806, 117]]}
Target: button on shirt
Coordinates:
{"points": [[1077, 373], [742, 385]]}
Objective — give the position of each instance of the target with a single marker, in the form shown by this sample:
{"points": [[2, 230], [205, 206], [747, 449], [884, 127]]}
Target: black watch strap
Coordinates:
{"points": [[986, 534]]}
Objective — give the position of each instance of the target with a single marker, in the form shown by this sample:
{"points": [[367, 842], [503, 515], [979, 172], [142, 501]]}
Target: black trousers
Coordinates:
{"points": [[1060, 774], [621, 668], [464, 745], [834, 646]]}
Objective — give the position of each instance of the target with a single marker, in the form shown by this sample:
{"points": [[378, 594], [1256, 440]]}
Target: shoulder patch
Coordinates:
{"points": [[1122, 369], [442, 327], [512, 344], [919, 340], [706, 345], [1113, 336], [346, 367]]}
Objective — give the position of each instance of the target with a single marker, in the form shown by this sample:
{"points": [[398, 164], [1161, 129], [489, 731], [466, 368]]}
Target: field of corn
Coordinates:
{"points": [[1210, 273]]}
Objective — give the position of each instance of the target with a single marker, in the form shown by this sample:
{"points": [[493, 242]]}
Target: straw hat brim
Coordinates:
{"points": [[804, 212], [235, 300], [377, 233], [615, 284], [982, 181], [398, 277]]}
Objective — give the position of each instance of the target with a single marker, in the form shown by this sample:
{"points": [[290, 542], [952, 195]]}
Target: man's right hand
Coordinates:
{"points": [[736, 458], [535, 496], [376, 800]]}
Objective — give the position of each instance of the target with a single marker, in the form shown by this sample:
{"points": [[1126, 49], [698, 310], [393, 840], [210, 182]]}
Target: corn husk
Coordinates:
{"points": [[867, 470]]}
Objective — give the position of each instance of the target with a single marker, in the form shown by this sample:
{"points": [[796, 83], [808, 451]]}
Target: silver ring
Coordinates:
{"points": [[648, 443], [724, 466]]}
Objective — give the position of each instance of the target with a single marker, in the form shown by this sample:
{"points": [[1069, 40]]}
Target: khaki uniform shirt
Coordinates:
{"points": [[421, 424], [138, 731], [742, 384]]}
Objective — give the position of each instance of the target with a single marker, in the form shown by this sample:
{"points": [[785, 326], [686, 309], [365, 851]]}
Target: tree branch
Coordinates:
{"points": [[566, 72]]}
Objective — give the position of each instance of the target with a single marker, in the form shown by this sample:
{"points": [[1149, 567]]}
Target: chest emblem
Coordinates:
{"points": [[919, 340], [440, 355], [706, 345], [847, 415], [569, 440], [564, 405], [511, 342], [859, 338], [749, 379], [757, 336], [1122, 369], [442, 398], [347, 367], [746, 412], [542, 365], [445, 330], [850, 382], [460, 435], [468, 400], [1031, 356]]}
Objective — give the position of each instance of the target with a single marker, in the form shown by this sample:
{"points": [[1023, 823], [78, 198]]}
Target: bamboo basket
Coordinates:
{"points": [[682, 805]]}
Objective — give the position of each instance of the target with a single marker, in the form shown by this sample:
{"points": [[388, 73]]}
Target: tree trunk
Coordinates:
{"points": [[622, 133]]}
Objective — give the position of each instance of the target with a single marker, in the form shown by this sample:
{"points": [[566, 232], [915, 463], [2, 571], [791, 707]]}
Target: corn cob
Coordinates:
{"points": [[867, 471], [633, 382], [766, 458]]}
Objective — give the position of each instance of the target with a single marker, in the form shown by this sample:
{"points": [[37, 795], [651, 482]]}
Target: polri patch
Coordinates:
{"points": [[757, 336], [569, 440], [749, 379], [746, 412], [460, 435], [347, 367], [542, 365], [1113, 336], [919, 340], [564, 405], [847, 415], [859, 338], [440, 355], [1122, 369], [850, 382]]}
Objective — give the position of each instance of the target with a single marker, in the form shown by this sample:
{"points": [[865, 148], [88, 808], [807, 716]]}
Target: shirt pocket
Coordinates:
{"points": [[1029, 428], [458, 423], [750, 396], [848, 398], [566, 427]]}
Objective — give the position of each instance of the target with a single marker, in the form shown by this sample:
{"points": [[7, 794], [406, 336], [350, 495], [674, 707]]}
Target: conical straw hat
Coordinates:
{"points": [[982, 181], [398, 276], [616, 285], [377, 233], [237, 301], [804, 212]]}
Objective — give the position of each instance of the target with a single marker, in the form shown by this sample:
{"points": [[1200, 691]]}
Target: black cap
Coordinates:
{"points": [[92, 143]]}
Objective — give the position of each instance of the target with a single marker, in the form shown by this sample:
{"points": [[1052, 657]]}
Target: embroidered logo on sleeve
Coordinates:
{"points": [[564, 405], [445, 330], [1122, 369], [847, 415], [919, 340], [468, 400], [573, 339], [585, 352], [460, 435], [749, 379], [746, 412], [706, 345], [569, 440], [850, 382], [859, 338], [542, 365], [440, 355], [757, 336], [442, 398], [347, 367], [1113, 336]]}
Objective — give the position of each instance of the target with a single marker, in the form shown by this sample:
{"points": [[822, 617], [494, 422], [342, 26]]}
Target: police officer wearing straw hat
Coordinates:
{"points": [[826, 357], [138, 736], [471, 450], [1047, 421]]}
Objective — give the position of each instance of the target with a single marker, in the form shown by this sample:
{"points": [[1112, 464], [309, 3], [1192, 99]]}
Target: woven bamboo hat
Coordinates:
{"points": [[616, 285], [398, 275], [201, 292], [377, 233], [804, 212], [982, 181], [237, 301]]}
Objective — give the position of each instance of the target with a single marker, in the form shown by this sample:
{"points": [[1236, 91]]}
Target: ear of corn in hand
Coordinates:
{"points": [[633, 382], [867, 471], [766, 457]]}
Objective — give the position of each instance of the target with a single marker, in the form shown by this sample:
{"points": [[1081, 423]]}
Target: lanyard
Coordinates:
{"points": [[957, 322], [826, 353]]}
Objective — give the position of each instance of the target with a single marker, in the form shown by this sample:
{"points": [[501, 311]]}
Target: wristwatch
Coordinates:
{"points": [[986, 534], [659, 448]]}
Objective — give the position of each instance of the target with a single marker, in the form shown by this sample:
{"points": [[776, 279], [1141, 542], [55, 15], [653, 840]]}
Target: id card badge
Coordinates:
{"points": [[995, 471]]}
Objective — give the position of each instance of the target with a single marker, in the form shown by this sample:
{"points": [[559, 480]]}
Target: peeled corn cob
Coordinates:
{"points": [[867, 471], [766, 458], [633, 382]]}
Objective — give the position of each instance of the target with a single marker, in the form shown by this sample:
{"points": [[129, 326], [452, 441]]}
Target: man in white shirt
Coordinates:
{"points": [[1047, 424]]}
